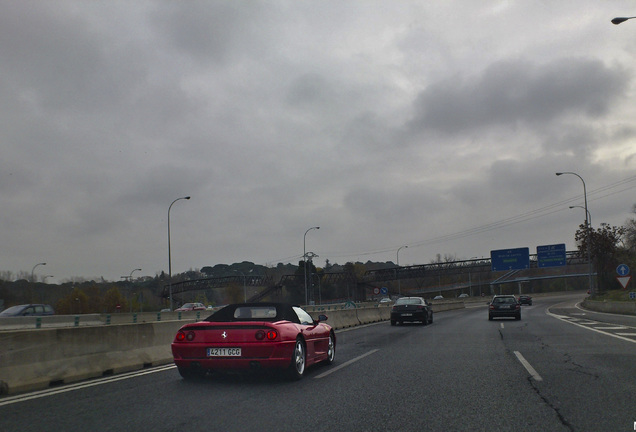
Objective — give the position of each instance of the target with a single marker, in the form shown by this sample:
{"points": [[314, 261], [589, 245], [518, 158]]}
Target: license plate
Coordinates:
{"points": [[224, 352], [407, 314]]}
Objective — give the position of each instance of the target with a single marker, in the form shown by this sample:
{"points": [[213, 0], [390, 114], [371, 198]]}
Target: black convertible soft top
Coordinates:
{"points": [[271, 312]]}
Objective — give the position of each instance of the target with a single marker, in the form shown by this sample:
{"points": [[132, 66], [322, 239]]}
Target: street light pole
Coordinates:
{"points": [[169, 257], [130, 277], [33, 269], [33, 281], [305, 258], [586, 212], [131, 287], [398, 269], [587, 230]]}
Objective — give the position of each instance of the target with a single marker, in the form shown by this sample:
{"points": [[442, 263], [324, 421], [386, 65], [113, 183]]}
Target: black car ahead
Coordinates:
{"points": [[525, 299], [411, 309], [504, 306]]}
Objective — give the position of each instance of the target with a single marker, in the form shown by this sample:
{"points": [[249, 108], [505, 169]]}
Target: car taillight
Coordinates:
{"points": [[420, 307], [491, 307], [183, 336], [270, 335]]}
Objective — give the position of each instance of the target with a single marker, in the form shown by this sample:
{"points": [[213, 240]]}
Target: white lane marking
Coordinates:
{"points": [[72, 387], [342, 330], [502, 326], [626, 334], [345, 364], [528, 367], [565, 319], [612, 328]]}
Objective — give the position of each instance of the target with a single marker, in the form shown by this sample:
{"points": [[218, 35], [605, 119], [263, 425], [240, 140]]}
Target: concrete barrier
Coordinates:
{"points": [[441, 306], [339, 319], [34, 359], [31, 360], [624, 308]]}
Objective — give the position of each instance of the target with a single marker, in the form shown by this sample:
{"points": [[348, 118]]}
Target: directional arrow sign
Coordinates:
{"points": [[622, 270], [623, 280]]}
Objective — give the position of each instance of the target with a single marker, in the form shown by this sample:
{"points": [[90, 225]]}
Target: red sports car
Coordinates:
{"points": [[254, 336]]}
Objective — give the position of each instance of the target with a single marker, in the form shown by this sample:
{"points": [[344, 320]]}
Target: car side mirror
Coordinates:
{"points": [[322, 317]]}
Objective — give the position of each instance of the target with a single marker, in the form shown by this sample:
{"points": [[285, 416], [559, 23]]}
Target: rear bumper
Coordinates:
{"points": [[267, 356], [409, 316], [505, 313]]}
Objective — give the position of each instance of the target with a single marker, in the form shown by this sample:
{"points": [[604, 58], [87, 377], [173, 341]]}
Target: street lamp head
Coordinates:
{"points": [[187, 197], [559, 173], [618, 20]]}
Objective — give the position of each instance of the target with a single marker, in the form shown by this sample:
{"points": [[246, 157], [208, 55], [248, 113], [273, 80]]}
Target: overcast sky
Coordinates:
{"points": [[433, 125]]}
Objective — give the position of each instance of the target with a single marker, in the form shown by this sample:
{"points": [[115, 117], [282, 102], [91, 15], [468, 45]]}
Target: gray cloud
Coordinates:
{"points": [[381, 124], [515, 93]]}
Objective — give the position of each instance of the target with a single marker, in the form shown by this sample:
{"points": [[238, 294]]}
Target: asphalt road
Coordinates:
{"points": [[558, 369]]}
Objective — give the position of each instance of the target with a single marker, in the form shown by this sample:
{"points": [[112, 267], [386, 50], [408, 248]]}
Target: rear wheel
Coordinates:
{"points": [[392, 322], [298, 359], [489, 317]]}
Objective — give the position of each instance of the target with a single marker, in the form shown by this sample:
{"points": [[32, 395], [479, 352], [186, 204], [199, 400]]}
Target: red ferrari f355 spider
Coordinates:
{"points": [[254, 336]]}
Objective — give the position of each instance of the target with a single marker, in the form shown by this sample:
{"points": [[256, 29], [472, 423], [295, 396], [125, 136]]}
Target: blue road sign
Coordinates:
{"points": [[510, 259], [632, 295], [551, 255], [384, 290], [622, 270]]}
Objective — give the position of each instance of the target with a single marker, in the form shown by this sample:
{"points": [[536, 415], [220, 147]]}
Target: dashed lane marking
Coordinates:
{"points": [[528, 367]]}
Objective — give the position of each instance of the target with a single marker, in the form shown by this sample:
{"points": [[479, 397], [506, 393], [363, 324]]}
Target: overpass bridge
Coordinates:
{"points": [[433, 278]]}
